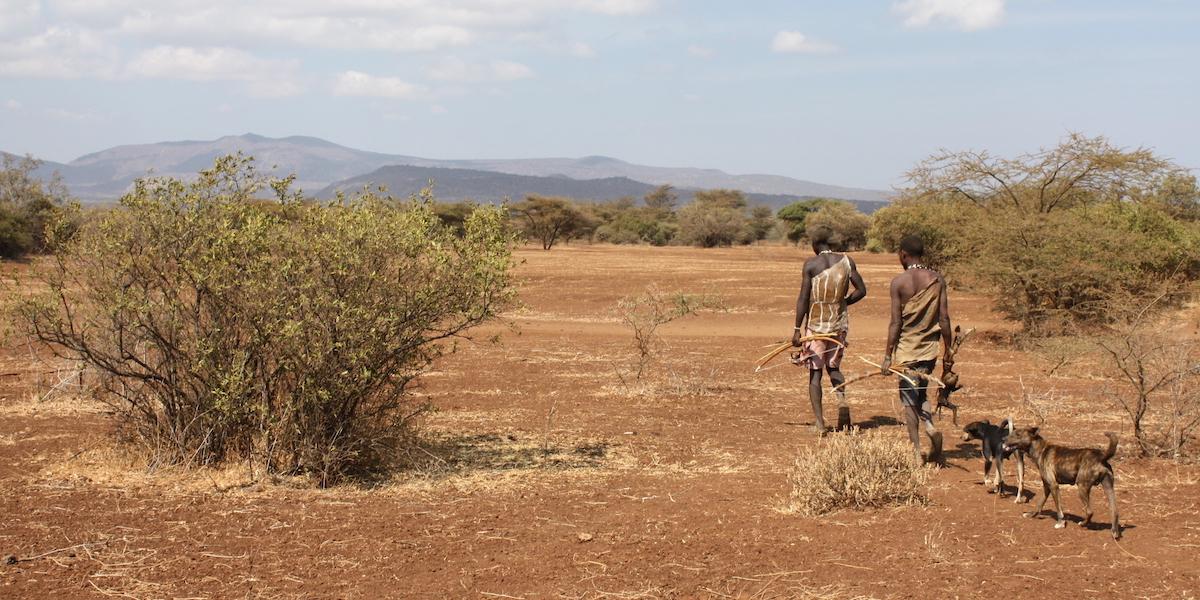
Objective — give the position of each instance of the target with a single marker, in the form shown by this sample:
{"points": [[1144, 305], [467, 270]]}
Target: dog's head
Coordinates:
{"points": [[976, 430], [1021, 439]]}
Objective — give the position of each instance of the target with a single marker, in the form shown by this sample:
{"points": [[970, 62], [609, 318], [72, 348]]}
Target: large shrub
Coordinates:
{"points": [[30, 206], [285, 338], [1049, 271], [946, 226], [849, 226], [795, 215], [714, 218], [1056, 236]]}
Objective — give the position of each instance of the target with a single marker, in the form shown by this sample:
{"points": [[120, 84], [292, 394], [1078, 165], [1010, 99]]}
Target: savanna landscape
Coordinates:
{"points": [[599, 300], [550, 477]]}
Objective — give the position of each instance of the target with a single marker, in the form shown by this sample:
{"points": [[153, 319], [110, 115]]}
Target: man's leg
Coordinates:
{"points": [[836, 379], [935, 436], [926, 414], [814, 395], [910, 403]]}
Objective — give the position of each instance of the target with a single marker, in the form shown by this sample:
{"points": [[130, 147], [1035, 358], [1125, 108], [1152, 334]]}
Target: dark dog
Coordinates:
{"points": [[1083, 467], [993, 437]]}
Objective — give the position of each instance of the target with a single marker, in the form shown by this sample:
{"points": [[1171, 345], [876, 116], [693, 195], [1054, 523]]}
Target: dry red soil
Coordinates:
{"points": [[561, 480]]}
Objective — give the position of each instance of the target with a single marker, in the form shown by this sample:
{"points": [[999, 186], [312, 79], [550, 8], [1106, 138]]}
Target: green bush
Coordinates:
{"points": [[795, 215], [287, 338], [30, 207], [1053, 270], [849, 226], [1059, 238], [714, 218], [946, 227]]}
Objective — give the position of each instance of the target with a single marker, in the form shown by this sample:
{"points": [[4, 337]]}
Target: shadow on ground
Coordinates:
{"points": [[444, 455]]}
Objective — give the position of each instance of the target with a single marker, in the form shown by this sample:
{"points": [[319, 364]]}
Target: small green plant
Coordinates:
{"points": [[644, 313]]}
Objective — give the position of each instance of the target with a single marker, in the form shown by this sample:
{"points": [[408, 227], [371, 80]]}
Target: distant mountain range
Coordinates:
{"points": [[325, 167]]}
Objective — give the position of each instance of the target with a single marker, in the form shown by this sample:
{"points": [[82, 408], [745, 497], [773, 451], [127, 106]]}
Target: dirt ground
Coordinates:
{"points": [[561, 477]]}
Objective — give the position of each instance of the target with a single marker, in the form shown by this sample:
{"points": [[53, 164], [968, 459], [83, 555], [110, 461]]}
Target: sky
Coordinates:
{"points": [[850, 93]]}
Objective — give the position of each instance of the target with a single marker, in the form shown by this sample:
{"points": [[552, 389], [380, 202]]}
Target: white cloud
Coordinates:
{"points": [[393, 25], [701, 51], [794, 42], [967, 15], [203, 64], [582, 50], [63, 114], [357, 83], [58, 53], [438, 109], [617, 7], [265, 78], [18, 14], [457, 70]]}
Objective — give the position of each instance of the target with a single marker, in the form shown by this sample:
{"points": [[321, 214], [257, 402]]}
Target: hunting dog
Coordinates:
{"points": [[993, 438], [1083, 467]]}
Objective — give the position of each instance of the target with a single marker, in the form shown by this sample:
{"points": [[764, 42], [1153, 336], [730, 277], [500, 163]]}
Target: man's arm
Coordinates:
{"points": [[860, 288], [947, 333], [802, 307], [893, 337]]}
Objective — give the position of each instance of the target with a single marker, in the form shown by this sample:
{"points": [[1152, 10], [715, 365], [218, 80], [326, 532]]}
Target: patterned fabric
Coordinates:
{"points": [[827, 299], [821, 354]]}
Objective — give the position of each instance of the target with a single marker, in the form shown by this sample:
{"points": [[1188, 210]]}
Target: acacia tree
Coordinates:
{"points": [[796, 214], [662, 200], [549, 219], [849, 226], [285, 338], [1079, 170], [714, 218], [1056, 234]]}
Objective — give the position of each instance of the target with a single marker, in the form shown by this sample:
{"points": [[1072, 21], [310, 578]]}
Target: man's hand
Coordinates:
{"points": [[796, 335], [885, 367]]}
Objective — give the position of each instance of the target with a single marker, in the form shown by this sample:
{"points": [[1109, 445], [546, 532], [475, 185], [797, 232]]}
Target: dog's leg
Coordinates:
{"points": [[1020, 477], [1085, 494], [1000, 474], [1059, 522], [1041, 502], [1111, 492], [987, 469]]}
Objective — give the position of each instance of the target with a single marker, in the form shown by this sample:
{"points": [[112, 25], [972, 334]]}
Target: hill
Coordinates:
{"points": [[321, 164]]}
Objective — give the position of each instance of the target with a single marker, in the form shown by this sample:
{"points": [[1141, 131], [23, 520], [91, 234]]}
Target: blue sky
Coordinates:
{"points": [[850, 92]]}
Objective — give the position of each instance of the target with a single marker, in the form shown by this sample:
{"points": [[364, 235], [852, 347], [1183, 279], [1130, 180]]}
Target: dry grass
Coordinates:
{"points": [[860, 470]]}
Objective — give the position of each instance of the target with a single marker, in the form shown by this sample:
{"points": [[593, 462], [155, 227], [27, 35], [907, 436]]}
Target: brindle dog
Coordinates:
{"points": [[1083, 467]]}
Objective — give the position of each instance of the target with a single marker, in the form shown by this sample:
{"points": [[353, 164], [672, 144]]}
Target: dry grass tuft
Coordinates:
{"points": [[860, 470]]}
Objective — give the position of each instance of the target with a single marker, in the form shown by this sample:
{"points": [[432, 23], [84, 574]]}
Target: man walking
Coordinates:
{"points": [[821, 310], [920, 323]]}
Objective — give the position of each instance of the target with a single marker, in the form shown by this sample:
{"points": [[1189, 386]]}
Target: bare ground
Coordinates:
{"points": [[553, 477]]}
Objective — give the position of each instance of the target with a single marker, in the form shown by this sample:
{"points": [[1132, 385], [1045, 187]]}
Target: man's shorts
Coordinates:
{"points": [[915, 395], [821, 354]]}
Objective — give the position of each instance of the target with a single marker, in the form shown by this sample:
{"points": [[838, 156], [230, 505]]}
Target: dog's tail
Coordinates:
{"points": [[1112, 445]]}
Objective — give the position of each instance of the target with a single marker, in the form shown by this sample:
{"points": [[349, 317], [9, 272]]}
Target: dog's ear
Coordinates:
{"points": [[986, 422], [1033, 431]]}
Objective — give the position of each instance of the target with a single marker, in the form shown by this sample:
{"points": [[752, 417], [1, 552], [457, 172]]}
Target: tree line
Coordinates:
{"points": [[714, 218]]}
